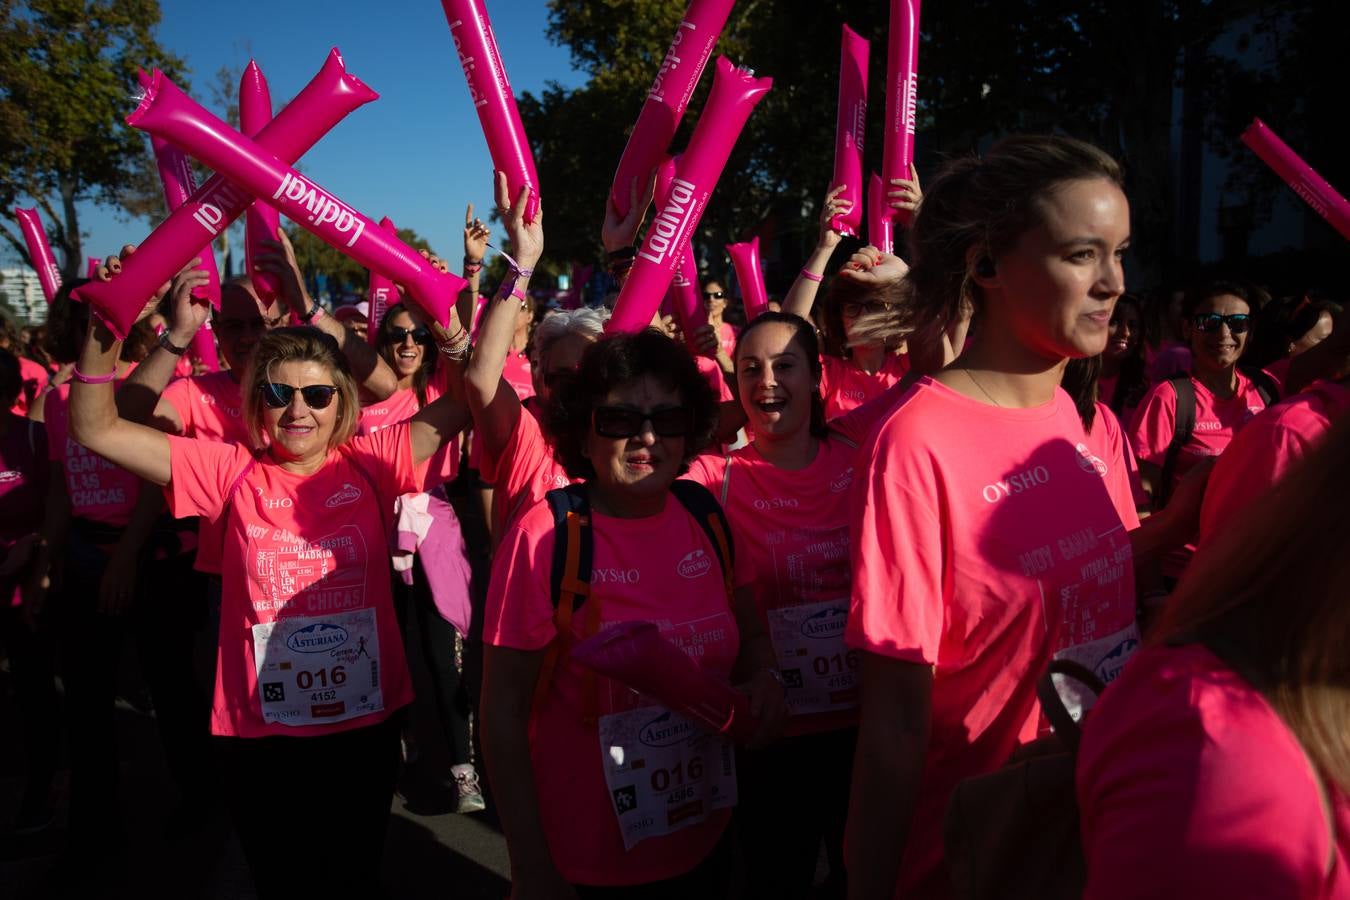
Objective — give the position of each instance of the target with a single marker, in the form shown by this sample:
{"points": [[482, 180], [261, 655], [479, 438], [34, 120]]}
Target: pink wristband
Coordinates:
{"points": [[811, 276], [93, 379]]}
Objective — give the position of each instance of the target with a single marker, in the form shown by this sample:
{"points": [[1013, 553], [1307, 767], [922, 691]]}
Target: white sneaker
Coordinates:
{"points": [[466, 785]]}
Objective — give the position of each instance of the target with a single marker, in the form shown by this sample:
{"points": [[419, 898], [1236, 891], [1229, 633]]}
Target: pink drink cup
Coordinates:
{"points": [[849, 130], [750, 277], [39, 251], [492, 98], [669, 96], [733, 98], [325, 101], [171, 114], [1300, 176], [902, 64], [260, 221], [380, 295]]}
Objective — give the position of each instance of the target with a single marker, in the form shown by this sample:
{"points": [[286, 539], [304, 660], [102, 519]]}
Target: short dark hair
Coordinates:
{"points": [[1253, 296], [804, 334], [620, 359]]}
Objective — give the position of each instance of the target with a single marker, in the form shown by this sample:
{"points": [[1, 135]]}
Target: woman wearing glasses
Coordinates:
{"points": [[594, 793], [311, 667], [1216, 320], [715, 305]]}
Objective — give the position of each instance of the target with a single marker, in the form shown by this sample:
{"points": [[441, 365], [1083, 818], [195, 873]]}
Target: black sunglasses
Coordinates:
{"points": [[278, 396], [396, 335], [623, 422], [1237, 323], [714, 295]]}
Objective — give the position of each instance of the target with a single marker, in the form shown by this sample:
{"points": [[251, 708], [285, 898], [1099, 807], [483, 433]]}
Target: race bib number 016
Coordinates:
{"points": [[663, 772], [820, 673], [314, 670]]}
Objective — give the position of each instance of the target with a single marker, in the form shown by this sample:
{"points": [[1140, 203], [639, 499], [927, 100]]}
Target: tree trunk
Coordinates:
{"points": [[68, 234]]}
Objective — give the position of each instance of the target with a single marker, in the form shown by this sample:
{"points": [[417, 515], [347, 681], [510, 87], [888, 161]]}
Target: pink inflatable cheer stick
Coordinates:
{"points": [[669, 95], [260, 221], [734, 95], [749, 275], [204, 346], [1300, 176], [849, 130], [39, 251], [380, 295], [175, 173], [324, 102], [636, 654], [902, 63], [171, 114], [880, 229], [492, 98], [683, 297]]}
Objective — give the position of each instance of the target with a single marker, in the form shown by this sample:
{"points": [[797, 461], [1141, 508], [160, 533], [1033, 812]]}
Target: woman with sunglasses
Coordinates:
{"points": [[584, 801], [311, 669], [853, 370], [715, 306], [1216, 320], [988, 536]]}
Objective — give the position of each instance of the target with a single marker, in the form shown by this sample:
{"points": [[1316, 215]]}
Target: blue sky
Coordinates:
{"points": [[417, 154]]}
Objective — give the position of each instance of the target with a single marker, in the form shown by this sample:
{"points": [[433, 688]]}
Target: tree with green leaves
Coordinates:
{"points": [[67, 69]]}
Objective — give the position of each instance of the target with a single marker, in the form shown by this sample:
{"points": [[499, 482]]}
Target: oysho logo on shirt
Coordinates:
{"points": [[616, 576], [1208, 425], [1016, 484], [776, 503], [1090, 463], [694, 565], [269, 503], [348, 493]]}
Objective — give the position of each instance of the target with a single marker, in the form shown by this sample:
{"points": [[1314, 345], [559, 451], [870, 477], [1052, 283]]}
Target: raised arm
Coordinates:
{"points": [[448, 415], [94, 421], [618, 234], [138, 399], [493, 403], [373, 374], [802, 295], [476, 236]]}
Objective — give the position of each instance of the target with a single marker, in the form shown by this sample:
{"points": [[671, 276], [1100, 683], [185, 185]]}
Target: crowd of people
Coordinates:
{"points": [[879, 512]]}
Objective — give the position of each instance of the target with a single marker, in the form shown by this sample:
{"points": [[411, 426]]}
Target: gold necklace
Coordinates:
{"points": [[971, 376]]}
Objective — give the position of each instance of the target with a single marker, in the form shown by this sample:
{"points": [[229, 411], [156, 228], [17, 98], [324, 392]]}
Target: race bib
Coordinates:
{"points": [[663, 772], [1105, 657], [820, 674], [315, 670]]}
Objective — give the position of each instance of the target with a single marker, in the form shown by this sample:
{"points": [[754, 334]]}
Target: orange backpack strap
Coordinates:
{"points": [[570, 577]]}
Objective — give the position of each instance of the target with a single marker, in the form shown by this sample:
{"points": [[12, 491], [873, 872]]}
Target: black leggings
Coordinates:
{"points": [[792, 795], [709, 880], [454, 661], [311, 812], [32, 666]]}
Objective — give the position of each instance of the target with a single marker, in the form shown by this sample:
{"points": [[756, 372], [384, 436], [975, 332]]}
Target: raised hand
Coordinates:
{"points": [[834, 206], [621, 231], [871, 266], [279, 260], [476, 236], [527, 238], [904, 193]]}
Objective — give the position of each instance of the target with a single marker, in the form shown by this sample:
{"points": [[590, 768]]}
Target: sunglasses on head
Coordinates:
{"points": [[395, 335], [623, 422], [278, 396], [1237, 323], [714, 295]]}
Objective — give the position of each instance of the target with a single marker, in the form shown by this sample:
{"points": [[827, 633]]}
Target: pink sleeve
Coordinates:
{"points": [[858, 423], [520, 461], [202, 475], [387, 456], [519, 610], [897, 607], [1154, 423], [1181, 802], [179, 395], [1122, 482], [1260, 456]]}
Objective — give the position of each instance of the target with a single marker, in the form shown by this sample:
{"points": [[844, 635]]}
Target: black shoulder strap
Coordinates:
{"points": [[707, 512], [1181, 435], [572, 543], [1265, 385]]}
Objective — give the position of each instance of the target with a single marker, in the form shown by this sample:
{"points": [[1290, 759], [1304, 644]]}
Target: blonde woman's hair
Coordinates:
{"points": [[980, 204], [300, 344], [1274, 587]]}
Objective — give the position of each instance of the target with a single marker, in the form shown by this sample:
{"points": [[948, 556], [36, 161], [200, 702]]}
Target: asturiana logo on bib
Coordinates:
{"points": [[317, 638], [842, 481], [665, 731], [828, 623], [348, 493], [1112, 663], [694, 565]]}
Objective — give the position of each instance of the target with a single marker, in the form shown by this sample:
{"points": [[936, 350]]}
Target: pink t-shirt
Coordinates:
{"points": [[33, 378], [99, 491], [401, 406], [210, 408], [523, 473], [636, 575], [1266, 449], [793, 526], [308, 643], [845, 387], [712, 373], [727, 335], [519, 374], [1107, 440], [986, 542], [1190, 785], [1216, 422]]}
